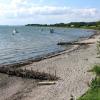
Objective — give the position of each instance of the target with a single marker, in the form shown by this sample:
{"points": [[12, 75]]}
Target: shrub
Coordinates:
{"points": [[96, 69]]}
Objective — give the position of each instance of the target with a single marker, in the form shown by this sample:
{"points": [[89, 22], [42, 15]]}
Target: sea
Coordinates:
{"points": [[31, 42]]}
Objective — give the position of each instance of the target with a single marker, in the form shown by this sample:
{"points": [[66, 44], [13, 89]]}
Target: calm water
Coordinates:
{"points": [[30, 42]]}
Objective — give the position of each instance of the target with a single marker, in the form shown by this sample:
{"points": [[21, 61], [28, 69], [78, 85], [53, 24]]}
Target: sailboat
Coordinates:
{"points": [[14, 31], [51, 30]]}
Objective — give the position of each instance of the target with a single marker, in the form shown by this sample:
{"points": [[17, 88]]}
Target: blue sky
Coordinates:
{"points": [[20, 12]]}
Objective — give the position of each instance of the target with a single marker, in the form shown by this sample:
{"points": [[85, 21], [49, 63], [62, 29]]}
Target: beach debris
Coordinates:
{"points": [[72, 97], [86, 59], [25, 73], [47, 83], [74, 43]]}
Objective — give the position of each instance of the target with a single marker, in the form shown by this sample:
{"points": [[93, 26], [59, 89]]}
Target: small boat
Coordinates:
{"points": [[14, 31], [51, 30]]}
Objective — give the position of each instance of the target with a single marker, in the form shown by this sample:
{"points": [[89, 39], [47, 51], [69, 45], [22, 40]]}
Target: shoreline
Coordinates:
{"points": [[52, 54]]}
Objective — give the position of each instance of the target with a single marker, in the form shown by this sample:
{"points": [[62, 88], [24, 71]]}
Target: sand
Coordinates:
{"points": [[72, 68]]}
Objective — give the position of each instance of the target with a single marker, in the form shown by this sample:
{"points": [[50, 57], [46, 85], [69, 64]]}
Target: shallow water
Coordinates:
{"points": [[31, 42]]}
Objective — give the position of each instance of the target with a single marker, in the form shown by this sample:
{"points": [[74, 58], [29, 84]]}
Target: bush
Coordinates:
{"points": [[96, 69], [95, 82]]}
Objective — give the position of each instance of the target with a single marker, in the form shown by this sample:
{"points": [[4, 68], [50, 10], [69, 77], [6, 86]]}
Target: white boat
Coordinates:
{"points": [[15, 31]]}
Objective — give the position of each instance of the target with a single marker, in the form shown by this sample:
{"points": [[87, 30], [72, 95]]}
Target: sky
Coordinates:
{"points": [[21, 12]]}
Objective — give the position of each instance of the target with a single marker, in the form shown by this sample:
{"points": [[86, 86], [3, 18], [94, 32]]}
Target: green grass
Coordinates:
{"points": [[88, 27], [94, 92], [96, 69]]}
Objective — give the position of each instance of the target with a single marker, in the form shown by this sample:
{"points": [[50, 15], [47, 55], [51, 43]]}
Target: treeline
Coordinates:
{"points": [[71, 25], [36, 25]]}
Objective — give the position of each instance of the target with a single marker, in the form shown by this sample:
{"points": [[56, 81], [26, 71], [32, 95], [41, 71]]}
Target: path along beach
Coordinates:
{"points": [[71, 66]]}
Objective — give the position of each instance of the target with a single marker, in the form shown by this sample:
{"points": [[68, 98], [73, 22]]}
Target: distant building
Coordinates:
{"points": [[71, 25]]}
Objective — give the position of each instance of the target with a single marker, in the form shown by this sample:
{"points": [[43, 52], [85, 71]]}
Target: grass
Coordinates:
{"points": [[94, 92], [94, 28], [96, 69]]}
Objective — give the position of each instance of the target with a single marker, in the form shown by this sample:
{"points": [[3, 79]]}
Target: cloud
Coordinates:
{"points": [[26, 9]]}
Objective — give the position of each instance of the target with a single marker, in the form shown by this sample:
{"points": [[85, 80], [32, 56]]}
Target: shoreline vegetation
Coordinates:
{"points": [[83, 25], [94, 92]]}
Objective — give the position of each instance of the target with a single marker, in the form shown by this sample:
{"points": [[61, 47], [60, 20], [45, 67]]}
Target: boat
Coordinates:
{"points": [[51, 30], [15, 31]]}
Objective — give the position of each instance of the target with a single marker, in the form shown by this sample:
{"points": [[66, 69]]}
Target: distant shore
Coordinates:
{"points": [[83, 25]]}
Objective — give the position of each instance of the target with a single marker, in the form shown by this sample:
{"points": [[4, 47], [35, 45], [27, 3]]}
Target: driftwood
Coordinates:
{"points": [[47, 83], [74, 43], [24, 73]]}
